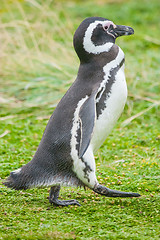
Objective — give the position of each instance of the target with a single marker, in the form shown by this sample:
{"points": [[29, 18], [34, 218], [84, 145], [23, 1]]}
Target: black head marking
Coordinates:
{"points": [[100, 36], [80, 34], [97, 35]]}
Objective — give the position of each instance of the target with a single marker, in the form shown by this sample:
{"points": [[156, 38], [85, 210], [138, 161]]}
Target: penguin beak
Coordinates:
{"points": [[121, 30]]}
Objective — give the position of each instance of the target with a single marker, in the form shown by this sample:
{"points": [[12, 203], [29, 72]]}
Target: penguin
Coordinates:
{"points": [[83, 118]]}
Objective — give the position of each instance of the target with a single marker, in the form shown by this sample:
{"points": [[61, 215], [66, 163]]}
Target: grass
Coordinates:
{"points": [[38, 64]]}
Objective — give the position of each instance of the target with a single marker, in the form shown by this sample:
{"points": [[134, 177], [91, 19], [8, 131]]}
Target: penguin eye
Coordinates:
{"points": [[108, 25], [105, 27]]}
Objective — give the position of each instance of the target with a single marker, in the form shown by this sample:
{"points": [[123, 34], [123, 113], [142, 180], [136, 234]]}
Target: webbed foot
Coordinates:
{"points": [[53, 198], [113, 193]]}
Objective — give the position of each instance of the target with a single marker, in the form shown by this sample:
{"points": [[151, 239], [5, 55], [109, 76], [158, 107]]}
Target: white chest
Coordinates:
{"points": [[114, 106]]}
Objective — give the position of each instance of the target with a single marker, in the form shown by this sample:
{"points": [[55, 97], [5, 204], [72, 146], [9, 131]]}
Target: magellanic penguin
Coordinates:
{"points": [[83, 118]]}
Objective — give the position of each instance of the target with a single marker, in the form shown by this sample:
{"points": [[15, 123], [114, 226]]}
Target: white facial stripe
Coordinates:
{"points": [[89, 45]]}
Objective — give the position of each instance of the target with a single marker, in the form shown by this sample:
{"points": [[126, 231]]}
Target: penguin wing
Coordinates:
{"points": [[87, 115]]}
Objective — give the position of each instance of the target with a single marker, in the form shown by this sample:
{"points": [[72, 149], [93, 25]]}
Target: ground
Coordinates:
{"points": [[38, 64]]}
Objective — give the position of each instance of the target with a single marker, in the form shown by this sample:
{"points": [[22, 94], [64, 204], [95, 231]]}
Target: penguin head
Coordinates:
{"points": [[96, 35]]}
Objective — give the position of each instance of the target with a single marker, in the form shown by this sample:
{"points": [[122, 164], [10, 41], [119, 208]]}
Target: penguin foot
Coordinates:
{"points": [[113, 193], [53, 198], [64, 202]]}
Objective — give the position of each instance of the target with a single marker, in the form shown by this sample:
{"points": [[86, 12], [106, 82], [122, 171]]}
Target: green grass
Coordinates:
{"points": [[38, 64]]}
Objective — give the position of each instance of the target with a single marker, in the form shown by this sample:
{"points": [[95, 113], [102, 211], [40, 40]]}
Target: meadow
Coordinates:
{"points": [[37, 66]]}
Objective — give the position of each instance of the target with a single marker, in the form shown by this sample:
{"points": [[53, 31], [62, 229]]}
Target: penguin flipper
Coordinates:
{"points": [[87, 120]]}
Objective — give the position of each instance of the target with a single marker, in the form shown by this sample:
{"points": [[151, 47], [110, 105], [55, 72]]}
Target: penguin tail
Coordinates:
{"points": [[28, 176], [39, 173], [16, 180]]}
